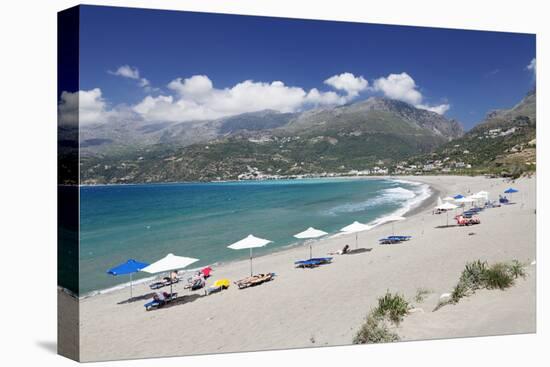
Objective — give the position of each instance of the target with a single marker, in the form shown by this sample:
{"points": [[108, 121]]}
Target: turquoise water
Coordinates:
{"points": [[146, 222]]}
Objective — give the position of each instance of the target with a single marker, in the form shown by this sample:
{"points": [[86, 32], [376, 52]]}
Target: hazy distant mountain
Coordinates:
{"points": [[353, 136], [375, 115]]}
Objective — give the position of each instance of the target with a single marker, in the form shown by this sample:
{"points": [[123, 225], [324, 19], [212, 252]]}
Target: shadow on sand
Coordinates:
{"points": [[446, 226], [180, 301], [359, 251], [137, 298]]}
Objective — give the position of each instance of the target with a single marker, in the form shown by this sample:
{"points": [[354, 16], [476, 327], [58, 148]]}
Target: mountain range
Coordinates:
{"points": [[356, 136], [504, 143]]}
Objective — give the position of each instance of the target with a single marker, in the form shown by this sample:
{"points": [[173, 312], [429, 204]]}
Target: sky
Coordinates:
{"points": [[180, 66]]}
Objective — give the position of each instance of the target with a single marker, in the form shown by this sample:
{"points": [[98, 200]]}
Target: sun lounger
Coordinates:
{"points": [[400, 238], [254, 280], [307, 263], [314, 262], [159, 303], [388, 241], [218, 286], [465, 221], [163, 283]]}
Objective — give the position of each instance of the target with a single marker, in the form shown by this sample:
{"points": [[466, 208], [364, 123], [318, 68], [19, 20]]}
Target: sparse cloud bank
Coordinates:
{"points": [[197, 98]]}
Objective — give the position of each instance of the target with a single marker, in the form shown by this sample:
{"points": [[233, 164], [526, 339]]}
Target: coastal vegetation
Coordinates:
{"points": [[389, 312], [480, 275]]}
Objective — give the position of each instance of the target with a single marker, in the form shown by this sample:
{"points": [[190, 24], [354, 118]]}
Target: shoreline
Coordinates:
{"points": [[331, 310], [426, 203]]}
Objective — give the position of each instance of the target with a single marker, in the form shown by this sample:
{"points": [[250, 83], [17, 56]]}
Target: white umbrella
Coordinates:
{"points": [[310, 233], [483, 193], [393, 219], [355, 227], [448, 198], [468, 199], [249, 242], [447, 206], [168, 263], [465, 200]]}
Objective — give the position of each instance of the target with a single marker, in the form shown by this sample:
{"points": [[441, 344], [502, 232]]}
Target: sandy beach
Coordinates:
{"points": [[326, 305]]}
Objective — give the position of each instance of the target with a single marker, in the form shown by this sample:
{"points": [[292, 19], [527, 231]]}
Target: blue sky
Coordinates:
{"points": [[461, 73]]}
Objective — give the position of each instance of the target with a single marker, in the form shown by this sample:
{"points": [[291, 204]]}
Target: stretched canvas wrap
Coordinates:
{"points": [[237, 183]]}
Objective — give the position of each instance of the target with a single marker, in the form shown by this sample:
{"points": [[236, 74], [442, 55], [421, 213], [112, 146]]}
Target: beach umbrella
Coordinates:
{"points": [[477, 197], [446, 206], [129, 267], [309, 234], [393, 219], [249, 242], [169, 263], [483, 193], [458, 196], [355, 227], [448, 198], [510, 191]]}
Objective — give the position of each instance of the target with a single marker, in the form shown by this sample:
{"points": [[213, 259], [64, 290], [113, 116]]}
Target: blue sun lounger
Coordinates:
{"points": [[400, 238], [156, 304], [313, 262]]}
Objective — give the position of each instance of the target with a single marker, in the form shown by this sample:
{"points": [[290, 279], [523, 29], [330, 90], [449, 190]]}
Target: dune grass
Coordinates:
{"points": [[374, 330], [479, 275], [392, 306], [391, 309]]}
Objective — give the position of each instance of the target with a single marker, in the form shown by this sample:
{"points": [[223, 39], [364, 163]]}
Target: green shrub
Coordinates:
{"points": [[498, 276], [374, 330], [393, 306], [477, 275], [459, 291], [472, 275], [516, 269]]}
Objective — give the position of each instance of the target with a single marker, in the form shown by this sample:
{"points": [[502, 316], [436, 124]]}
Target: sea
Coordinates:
{"points": [[147, 221]]}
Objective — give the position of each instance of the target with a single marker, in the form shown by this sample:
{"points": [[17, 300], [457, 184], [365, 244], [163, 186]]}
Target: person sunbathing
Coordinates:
{"points": [[343, 251], [159, 297]]}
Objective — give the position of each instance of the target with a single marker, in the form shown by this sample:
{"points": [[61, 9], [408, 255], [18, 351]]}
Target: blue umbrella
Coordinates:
{"points": [[510, 191], [458, 196], [129, 267]]}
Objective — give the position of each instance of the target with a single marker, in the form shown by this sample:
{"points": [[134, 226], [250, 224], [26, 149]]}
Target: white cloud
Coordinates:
{"points": [[439, 109], [399, 86], [127, 71], [88, 107], [402, 87], [348, 82], [533, 65], [84, 107], [196, 98]]}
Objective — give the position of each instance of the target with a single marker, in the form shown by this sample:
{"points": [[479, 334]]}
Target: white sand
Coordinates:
{"points": [[325, 306]]}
